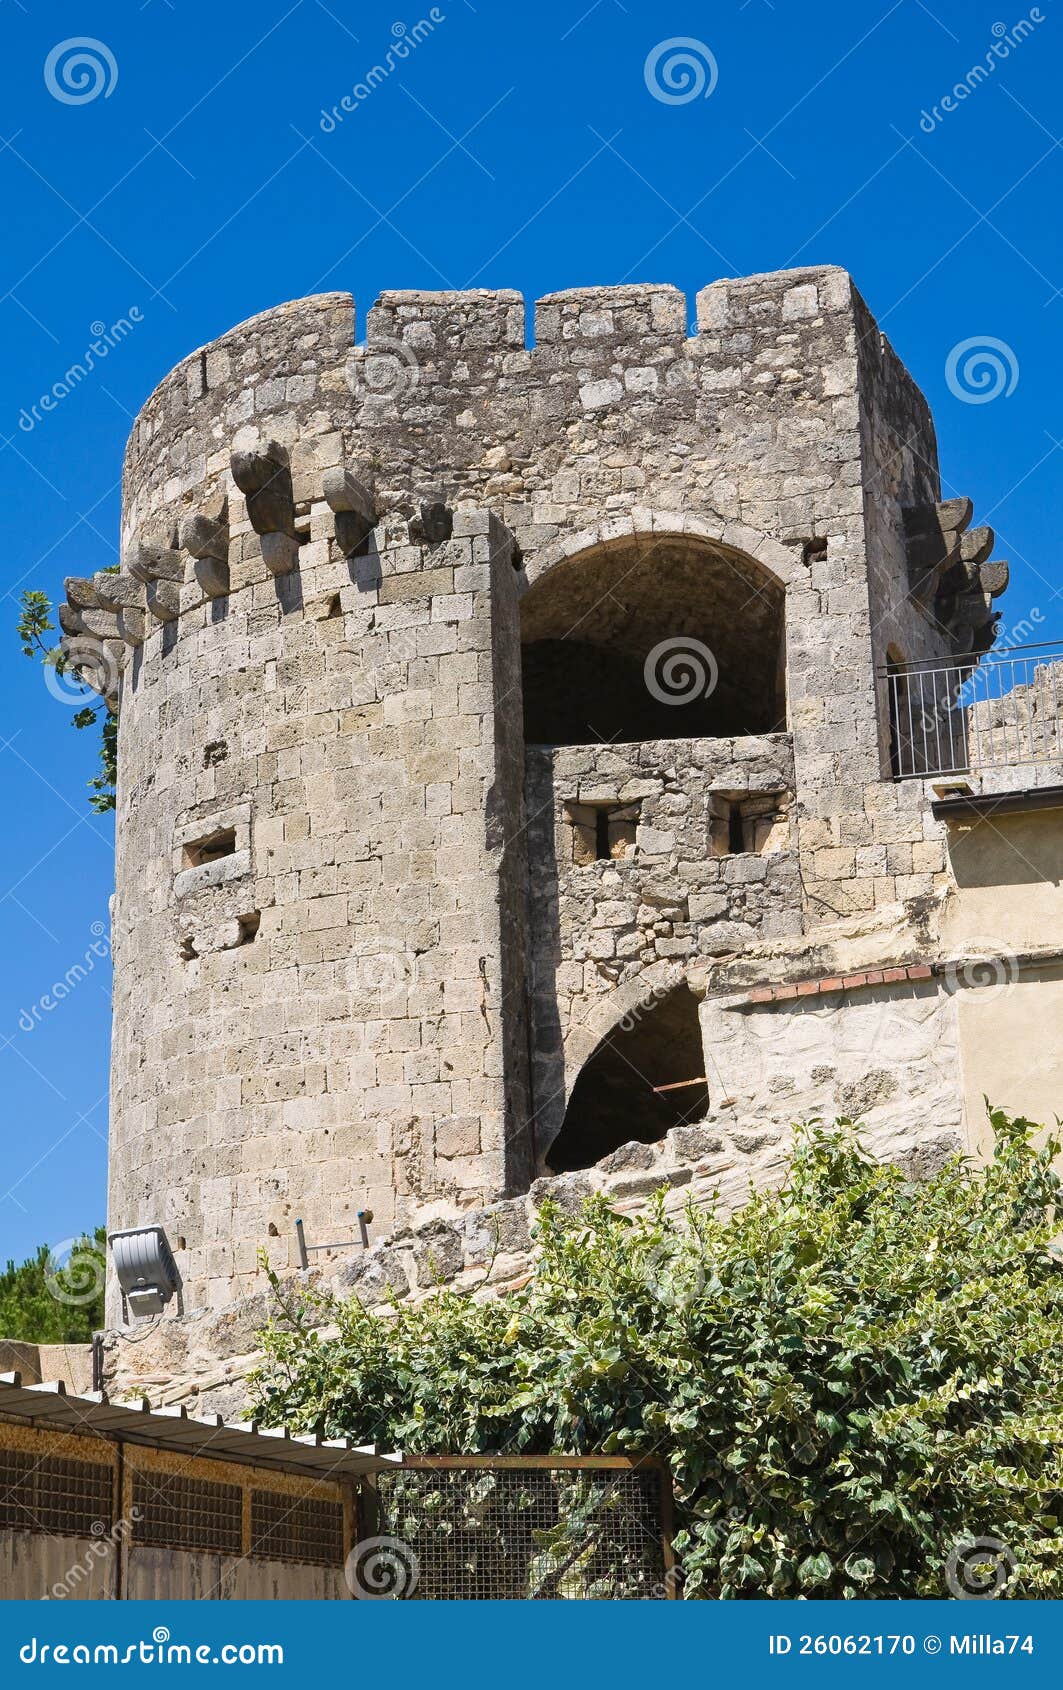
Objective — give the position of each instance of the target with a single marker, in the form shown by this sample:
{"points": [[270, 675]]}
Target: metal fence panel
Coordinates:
{"points": [[528, 1532], [969, 713]]}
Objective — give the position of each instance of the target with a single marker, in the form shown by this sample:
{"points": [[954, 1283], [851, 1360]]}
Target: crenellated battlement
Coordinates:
{"points": [[445, 405], [279, 447], [618, 357]]}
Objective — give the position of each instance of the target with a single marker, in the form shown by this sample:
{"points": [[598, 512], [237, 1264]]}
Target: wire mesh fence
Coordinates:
{"points": [[51, 1494], [182, 1511], [505, 1530]]}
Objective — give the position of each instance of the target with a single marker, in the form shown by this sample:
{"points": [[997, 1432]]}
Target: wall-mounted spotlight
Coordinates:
{"points": [[147, 1272]]}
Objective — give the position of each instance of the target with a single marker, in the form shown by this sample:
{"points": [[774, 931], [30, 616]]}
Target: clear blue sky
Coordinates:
{"points": [[516, 146]]}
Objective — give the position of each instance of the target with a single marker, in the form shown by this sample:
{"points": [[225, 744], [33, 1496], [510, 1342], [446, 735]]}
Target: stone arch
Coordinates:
{"points": [[614, 1097], [558, 1074], [654, 626], [779, 561]]}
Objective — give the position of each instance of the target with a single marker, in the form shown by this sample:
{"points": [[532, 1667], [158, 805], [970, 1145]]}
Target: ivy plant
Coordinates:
{"points": [[854, 1379]]}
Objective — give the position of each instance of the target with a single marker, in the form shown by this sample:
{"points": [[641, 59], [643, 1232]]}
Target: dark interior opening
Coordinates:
{"points": [[614, 1100], [735, 829], [602, 848], [894, 683], [220, 843], [652, 639]]}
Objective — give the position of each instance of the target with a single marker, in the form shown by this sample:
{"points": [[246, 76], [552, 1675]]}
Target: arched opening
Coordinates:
{"points": [[636, 1084], [652, 638]]}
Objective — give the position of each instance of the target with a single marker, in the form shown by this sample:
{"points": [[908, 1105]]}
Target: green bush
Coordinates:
{"points": [[854, 1379]]}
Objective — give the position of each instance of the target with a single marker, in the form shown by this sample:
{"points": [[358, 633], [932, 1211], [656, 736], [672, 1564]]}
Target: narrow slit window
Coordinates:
{"points": [[602, 832], [220, 843], [735, 829], [748, 822]]}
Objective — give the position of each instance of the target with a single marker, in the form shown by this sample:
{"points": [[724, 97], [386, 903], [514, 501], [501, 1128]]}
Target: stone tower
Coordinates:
{"points": [[506, 753]]}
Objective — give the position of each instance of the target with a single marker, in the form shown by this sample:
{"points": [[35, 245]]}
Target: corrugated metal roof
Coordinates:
{"points": [[52, 1408]]}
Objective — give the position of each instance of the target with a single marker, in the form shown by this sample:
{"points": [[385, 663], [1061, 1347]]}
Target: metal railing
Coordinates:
{"points": [[976, 712]]}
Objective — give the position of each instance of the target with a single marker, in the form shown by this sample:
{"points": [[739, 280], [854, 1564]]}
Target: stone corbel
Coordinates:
{"points": [[124, 596], [97, 662], [204, 535], [160, 565], [263, 475], [934, 537], [952, 575], [353, 506]]}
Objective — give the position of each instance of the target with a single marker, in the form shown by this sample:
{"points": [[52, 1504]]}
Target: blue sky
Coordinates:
{"points": [[512, 147]]}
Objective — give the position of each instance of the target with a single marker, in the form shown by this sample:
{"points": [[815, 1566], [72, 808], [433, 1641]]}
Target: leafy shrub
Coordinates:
{"points": [[853, 1378]]}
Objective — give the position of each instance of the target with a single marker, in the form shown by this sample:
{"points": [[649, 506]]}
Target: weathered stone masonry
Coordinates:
{"points": [[366, 937]]}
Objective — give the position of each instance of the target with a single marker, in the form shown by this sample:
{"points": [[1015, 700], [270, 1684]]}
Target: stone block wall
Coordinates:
{"points": [[313, 1021], [665, 898]]}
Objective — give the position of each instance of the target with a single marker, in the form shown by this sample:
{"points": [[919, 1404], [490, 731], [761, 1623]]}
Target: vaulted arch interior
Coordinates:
{"points": [[655, 638]]}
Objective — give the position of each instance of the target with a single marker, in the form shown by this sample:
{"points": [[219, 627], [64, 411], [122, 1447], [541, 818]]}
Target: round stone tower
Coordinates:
{"points": [[364, 946]]}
